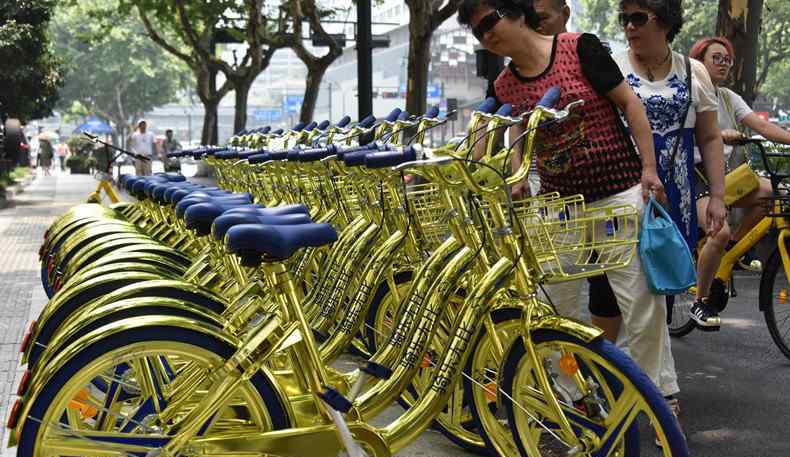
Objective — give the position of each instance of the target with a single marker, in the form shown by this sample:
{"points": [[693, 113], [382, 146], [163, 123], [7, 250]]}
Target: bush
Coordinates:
{"points": [[80, 163]]}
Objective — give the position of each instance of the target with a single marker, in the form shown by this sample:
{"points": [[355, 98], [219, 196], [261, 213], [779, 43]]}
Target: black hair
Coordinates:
{"points": [[513, 9], [668, 12]]}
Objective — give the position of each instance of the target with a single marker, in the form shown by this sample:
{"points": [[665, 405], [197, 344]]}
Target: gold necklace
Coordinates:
{"points": [[650, 75]]}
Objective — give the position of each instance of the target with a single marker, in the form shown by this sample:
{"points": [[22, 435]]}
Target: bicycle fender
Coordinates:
{"points": [[584, 332], [108, 281], [102, 309]]}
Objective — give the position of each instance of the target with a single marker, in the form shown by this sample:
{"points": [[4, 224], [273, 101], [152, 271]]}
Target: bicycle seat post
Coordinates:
{"points": [[290, 297]]}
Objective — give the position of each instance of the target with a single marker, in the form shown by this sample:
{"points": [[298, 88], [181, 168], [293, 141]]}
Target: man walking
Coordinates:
{"points": [[142, 143], [171, 144]]}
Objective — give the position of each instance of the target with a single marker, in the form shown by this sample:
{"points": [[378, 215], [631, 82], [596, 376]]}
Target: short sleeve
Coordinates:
{"points": [[703, 91], [491, 92], [739, 106], [597, 64]]}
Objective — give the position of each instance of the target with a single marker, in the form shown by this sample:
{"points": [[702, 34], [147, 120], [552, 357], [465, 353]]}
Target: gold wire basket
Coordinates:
{"points": [[345, 192], [572, 241], [430, 215]]}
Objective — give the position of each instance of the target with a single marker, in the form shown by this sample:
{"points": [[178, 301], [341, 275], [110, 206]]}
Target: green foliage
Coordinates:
{"points": [[115, 71], [81, 159], [30, 74]]}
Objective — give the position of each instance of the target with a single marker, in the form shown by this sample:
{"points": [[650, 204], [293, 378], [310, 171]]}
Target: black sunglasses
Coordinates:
{"points": [[638, 19], [486, 24]]}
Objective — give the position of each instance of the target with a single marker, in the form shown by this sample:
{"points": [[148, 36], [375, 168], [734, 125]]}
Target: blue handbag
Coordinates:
{"points": [[666, 259]]}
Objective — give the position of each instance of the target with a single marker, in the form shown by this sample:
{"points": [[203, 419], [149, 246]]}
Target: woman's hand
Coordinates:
{"points": [[652, 183], [731, 136], [716, 213], [520, 190]]}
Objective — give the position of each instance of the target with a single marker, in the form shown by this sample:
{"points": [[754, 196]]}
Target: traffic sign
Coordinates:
{"points": [[292, 103], [268, 115]]}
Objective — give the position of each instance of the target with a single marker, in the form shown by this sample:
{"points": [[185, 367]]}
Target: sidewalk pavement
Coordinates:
{"points": [[22, 227]]}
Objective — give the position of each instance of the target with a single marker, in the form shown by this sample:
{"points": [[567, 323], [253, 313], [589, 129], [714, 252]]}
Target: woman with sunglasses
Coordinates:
{"points": [[735, 116], [659, 77], [603, 165]]}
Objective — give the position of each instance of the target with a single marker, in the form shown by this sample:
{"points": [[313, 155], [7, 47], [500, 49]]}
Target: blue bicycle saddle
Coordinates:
{"points": [[276, 242], [230, 219]]}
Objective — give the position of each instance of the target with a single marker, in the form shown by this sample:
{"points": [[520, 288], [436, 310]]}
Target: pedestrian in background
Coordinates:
{"points": [[45, 154], [63, 152], [171, 144], [142, 143]]}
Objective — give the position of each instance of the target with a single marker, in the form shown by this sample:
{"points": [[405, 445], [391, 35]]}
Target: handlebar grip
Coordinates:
{"points": [[312, 155], [311, 126], [393, 115], [344, 121], [432, 112], [341, 152], [404, 115], [367, 122], [505, 110], [227, 155], [298, 127], [355, 159], [278, 132], [551, 97], [487, 106], [323, 125], [278, 155], [259, 158], [383, 159]]}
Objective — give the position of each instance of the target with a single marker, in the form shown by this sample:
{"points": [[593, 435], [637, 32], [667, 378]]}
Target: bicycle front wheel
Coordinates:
{"points": [[605, 411], [774, 290], [115, 393]]}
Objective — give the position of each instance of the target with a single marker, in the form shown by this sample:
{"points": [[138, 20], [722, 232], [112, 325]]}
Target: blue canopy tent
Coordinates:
{"points": [[95, 126]]}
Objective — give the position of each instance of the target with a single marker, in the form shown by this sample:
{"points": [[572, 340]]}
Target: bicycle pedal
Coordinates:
{"points": [[335, 400], [377, 370]]}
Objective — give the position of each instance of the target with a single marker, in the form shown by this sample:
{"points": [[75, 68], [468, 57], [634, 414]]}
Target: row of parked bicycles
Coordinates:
{"points": [[209, 321]]}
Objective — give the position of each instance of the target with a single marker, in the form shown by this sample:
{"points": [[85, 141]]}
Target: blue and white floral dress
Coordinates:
{"points": [[665, 101]]}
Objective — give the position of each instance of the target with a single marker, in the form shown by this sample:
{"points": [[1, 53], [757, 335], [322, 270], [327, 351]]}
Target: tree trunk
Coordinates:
{"points": [[210, 115], [315, 74], [242, 90], [419, 60], [740, 21]]}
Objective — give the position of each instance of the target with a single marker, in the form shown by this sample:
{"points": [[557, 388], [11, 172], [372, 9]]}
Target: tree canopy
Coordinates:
{"points": [[30, 74], [116, 72]]}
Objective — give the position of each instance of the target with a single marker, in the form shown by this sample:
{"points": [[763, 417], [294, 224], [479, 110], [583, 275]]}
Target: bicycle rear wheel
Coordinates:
{"points": [[121, 384], [774, 290], [680, 323], [619, 399]]}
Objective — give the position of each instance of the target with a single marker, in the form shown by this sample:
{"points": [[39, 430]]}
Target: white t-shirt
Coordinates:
{"points": [[143, 143], [732, 111], [703, 92]]}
